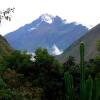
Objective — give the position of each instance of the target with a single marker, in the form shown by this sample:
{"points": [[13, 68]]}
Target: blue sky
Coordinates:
{"points": [[82, 11]]}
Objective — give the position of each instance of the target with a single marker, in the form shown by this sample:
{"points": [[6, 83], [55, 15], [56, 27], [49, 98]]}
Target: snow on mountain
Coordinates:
{"points": [[31, 29], [47, 18], [44, 32]]}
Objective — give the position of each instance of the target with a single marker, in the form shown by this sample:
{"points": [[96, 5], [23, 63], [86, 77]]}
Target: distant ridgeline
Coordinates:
{"points": [[90, 39]]}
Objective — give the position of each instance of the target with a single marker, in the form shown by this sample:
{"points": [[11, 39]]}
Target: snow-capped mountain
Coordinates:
{"points": [[44, 32], [47, 18]]}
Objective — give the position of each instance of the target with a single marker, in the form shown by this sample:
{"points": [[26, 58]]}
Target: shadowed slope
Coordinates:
{"points": [[90, 45]]}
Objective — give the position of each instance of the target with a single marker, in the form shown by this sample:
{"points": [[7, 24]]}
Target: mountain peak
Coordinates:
{"points": [[45, 31], [47, 18]]}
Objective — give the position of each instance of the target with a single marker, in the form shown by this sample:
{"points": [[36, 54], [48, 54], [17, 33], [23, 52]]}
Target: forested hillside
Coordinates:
{"points": [[5, 48]]}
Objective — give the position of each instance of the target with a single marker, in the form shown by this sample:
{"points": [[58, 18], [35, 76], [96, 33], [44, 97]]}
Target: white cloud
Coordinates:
{"points": [[56, 50], [82, 11]]}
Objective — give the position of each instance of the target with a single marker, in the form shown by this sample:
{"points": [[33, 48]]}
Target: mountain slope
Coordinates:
{"points": [[45, 32], [90, 45], [5, 48]]}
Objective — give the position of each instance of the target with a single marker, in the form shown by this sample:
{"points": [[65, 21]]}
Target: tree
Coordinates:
{"points": [[49, 74], [5, 14], [69, 63], [47, 61], [17, 60]]}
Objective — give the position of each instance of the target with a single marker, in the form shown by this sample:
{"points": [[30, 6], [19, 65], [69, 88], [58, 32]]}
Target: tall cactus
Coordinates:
{"points": [[82, 72], [87, 87], [69, 86]]}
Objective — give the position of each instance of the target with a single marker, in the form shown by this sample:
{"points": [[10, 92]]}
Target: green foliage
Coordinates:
{"points": [[5, 49], [6, 94], [2, 83], [38, 92], [42, 56], [48, 74], [97, 60], [98, 45], [71, 61], [22, 79], [69, 64], [95, 65], [46, 61], [17, 60], [2, 68]]}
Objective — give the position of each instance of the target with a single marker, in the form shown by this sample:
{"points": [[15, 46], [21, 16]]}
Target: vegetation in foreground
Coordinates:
{"points": [[89, 88], [43, 79]]}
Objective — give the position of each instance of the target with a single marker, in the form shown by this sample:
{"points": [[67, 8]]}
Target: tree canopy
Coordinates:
{"points": [[5, 14]]}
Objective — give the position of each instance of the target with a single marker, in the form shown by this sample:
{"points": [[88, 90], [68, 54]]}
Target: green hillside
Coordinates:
{"points": [[5, 48], [89, 39]]}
